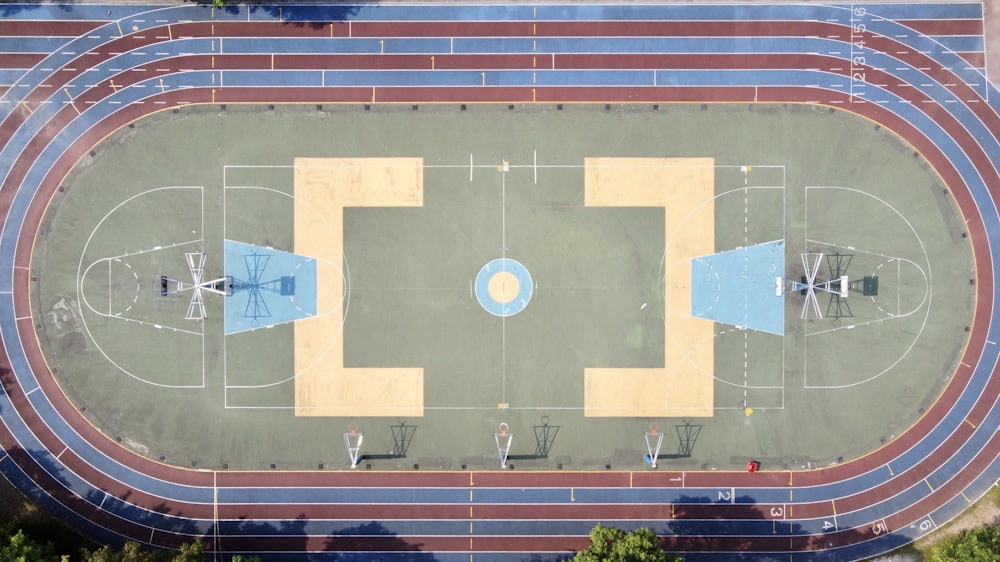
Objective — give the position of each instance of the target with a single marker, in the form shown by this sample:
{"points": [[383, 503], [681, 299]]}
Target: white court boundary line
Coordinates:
{"points": [[343, 305], [123, 259], [81, 298], [665, 268], [899, 314], [533, 166], [929, 280]]}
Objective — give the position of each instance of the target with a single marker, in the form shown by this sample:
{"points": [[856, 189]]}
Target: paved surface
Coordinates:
{"points": [[850, 511]]}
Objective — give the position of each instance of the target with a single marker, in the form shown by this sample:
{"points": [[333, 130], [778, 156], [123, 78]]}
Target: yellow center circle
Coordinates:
{"points": [[504, 287]]}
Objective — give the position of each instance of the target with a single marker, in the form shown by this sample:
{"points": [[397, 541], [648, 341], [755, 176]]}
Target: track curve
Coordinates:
{"points": [[908, 77]]}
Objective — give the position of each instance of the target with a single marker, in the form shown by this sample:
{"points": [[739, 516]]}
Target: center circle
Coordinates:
{"points": [[504, 287]]}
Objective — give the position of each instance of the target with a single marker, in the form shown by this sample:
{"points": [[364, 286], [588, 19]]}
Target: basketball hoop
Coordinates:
{"points": [[503, 439], [353, 439], [654, 440]]}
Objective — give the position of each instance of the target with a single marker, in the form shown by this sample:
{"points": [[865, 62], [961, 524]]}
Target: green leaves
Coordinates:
{"points": [[22, 548], [615, 545], [979, 545]]}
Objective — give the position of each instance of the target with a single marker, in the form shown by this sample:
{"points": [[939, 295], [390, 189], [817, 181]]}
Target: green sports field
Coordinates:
{"points": [[185, 392]]}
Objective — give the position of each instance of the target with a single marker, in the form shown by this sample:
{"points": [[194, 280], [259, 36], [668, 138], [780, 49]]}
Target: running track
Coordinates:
{"points": [[73, 75]]}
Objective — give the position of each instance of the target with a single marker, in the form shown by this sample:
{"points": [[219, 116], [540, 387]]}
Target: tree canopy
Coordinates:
{"points": [[977, 545], [19, 547], [615, 545]]}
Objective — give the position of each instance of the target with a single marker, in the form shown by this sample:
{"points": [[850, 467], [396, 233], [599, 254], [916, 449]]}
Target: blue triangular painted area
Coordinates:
{"points": [[737, 287], [269, 287]]}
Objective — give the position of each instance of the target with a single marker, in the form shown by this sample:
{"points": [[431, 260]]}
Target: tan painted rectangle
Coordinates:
{"points": [[646, 393], [362, 182], [323, 187], [362, 392], [685, 188]]}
